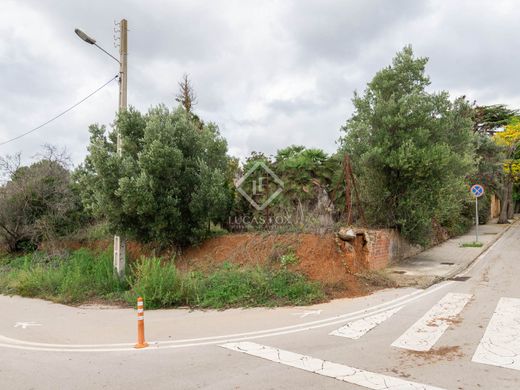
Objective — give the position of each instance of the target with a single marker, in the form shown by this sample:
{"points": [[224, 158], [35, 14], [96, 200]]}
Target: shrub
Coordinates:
{"points": [[160, 285], [169, 185], [36, 203]]}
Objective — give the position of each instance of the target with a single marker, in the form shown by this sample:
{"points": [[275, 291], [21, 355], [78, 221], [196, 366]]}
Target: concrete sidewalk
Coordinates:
{"points": [[446, 260]]}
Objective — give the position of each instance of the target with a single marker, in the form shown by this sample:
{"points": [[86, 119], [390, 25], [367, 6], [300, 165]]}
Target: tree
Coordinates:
{"points": [[509, 139], [302, 170], [488, 119], [186, 95], [37, 202], [170, 182], [411, 150]]}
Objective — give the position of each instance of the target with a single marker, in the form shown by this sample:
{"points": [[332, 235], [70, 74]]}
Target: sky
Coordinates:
{"points": [[268, 73]]}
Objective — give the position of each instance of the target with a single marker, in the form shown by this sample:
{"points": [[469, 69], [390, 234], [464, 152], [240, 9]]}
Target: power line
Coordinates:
{"points": [[61, 114]]}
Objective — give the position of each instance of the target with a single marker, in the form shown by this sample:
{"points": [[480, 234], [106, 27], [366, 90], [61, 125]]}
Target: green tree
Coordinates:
{"points": [[37, 202], [411, 149], [487, 119], [170, 183]]}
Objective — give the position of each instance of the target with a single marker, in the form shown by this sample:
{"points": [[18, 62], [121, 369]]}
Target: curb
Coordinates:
{"points": [[462, 267], [485, 249]]}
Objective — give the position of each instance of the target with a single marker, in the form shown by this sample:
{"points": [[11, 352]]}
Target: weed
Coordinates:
{"points": [[83, 275], [473, 244], [158, 284], [71, 279], [288, 259]]}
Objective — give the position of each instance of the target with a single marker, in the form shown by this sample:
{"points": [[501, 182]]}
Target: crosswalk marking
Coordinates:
{"points": [[337, 371], [356, 329], [423, 335], [500, 345]]}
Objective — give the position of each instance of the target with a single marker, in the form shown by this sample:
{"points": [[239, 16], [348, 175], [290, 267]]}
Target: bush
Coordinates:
{"points": [[170, 183], [37, 203]]}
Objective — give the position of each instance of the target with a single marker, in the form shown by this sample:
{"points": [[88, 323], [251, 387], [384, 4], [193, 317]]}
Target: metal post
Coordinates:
{"points": [[476, 216], [119, 242]]}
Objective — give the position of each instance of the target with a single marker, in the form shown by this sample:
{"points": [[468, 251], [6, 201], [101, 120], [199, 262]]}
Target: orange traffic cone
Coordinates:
{"points": [[140, 324]]}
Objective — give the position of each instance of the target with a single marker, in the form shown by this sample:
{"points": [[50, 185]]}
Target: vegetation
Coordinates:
{"points": [[509, 140], [85, 276], [411, 150], [305, 203], [473, 244], [413, 153], [37, 202], [168, 186], [67, 279], [488, 119], [497, 160]]}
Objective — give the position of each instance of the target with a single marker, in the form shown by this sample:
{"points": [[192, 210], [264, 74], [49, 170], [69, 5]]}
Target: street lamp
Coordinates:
{"points": [[92, 41], [119, 242]]}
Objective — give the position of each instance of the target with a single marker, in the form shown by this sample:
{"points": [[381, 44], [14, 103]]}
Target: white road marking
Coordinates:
{"points": [[423, 335], [211, 340], [356, 329], [25, 325], [500, 345], [369, 380], [307, 313]]}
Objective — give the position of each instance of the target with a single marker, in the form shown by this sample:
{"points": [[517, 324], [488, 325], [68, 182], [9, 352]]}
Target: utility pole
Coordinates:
{"points": [[119, 242]]}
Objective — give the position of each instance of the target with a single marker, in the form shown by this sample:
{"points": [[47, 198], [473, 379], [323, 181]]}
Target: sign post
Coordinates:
{"points": [[477, 190]]}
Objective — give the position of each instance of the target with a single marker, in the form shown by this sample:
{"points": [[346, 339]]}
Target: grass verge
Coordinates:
{"points": [[84, 276], [472, 244]]}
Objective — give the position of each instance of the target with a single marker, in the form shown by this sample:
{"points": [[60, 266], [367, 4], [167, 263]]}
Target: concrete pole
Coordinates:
{"points": [[119, 242]]}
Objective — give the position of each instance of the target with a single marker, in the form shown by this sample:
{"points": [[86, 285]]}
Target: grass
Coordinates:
{"points": [[84, 276], [66, 279], [473, 244]]}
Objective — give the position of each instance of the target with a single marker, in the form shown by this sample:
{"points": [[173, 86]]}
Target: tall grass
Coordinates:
{"points": [[160, 285], [232, 286], [70, 279], [83, 276]]}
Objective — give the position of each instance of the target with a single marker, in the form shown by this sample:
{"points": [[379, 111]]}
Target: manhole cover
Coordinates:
{"points": [[447, 263], [460, 278]]}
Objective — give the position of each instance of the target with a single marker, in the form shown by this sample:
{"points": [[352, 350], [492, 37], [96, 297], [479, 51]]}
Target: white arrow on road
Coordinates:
{"points": [[307, 313], [25, 325]]}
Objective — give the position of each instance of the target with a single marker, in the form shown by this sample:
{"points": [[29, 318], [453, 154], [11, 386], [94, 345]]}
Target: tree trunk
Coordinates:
{"points": [[511, 209], [506, 202]]}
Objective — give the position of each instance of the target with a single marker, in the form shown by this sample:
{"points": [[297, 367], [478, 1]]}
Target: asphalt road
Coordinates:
{"points": [[455, 335]]}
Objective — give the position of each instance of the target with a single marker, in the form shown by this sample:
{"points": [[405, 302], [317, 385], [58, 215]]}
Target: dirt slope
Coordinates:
{"points": [[319, 257]]}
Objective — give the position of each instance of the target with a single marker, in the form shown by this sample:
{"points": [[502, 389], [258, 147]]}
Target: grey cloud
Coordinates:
{"points": [[338, 30], [269, 74]]}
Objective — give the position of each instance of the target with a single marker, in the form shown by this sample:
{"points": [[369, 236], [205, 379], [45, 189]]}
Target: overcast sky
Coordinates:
{"points": [[269, 73]]}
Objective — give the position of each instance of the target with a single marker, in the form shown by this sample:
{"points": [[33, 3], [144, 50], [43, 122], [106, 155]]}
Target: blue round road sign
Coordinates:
{"points": [[477, 190]]}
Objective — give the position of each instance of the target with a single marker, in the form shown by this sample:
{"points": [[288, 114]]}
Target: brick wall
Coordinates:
{"points": [[379, 251], [375, 249]]}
